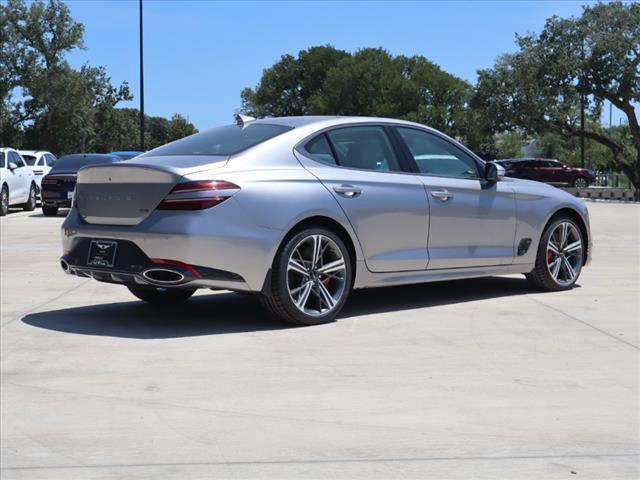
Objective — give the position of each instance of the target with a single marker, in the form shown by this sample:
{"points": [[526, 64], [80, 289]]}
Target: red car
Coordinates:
{"points": [[548, 171]]}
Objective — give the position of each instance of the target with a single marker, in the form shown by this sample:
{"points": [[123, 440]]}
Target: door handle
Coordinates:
{"points": [[443, 195], [347, 190]]}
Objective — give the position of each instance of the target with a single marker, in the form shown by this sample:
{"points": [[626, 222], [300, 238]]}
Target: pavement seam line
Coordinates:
{"points": [[57, 297], [585, 323], [327, 461]]}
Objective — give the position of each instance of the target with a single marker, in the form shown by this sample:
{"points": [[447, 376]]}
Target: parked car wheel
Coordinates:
{"points": [[161, 296], [311, 278], [49, 211], [30, 206], [580, 182], [4, 201], [560, 256]]}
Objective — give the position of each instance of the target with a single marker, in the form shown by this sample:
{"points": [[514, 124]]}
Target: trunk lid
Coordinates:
{"points": [[126, 193]]}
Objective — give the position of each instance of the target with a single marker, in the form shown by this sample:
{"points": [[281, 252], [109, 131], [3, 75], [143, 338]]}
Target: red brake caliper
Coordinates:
{"points": [[549, 256], [326, 282]]}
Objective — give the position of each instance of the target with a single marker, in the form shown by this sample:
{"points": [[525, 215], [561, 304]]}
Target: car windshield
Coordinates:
{"points": [[226, 140], [29, 159], [72, 163]]}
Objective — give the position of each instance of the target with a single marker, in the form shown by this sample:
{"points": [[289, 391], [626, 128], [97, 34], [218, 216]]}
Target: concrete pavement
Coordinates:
{"points": [[471, 379]]}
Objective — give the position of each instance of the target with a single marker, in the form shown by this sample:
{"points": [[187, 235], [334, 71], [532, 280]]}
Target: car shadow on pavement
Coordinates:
{"points": [[222, 313]]}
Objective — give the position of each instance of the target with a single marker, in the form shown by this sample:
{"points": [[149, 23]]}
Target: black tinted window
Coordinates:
{"points": [[30, 159], [436, 156], [226, 140], [72, 163], [365, 148], [3, 162], [320, 150]]}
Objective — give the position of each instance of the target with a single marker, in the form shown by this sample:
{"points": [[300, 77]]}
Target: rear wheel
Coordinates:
{"points": [[580, 182], [49, 211], [560, 256], [311, 278], [30, 206], [4, 201], [161, 296]]}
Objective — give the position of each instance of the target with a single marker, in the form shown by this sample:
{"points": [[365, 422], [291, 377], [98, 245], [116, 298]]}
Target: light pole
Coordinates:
{"points": [[141, 83]]}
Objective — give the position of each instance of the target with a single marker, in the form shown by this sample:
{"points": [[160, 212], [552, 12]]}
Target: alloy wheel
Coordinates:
{"points": [[5, 200], [316, 275], [564, 253], [580, 183]]}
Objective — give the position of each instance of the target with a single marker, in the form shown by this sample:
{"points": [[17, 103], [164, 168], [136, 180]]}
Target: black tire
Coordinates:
{"points": [[49, 211], [580, 182], [30, 206], [4, 201], [541, 277], [161, 296], [280, 303]]}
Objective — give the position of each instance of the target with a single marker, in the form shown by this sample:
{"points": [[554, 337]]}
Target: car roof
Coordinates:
{"points": [[311, 119], [92, 155], [33, 152]]}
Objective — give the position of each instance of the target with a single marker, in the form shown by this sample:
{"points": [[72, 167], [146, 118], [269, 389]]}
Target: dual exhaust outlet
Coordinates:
{"points": [[162, 276]]}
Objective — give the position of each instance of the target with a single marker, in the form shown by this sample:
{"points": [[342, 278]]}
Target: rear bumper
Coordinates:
{"points": [[48, 202], [222, 244], [134, 267], [58, 199]]}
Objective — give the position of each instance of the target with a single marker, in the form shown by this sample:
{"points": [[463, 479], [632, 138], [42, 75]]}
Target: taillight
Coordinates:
{"points": [[197, 195]]}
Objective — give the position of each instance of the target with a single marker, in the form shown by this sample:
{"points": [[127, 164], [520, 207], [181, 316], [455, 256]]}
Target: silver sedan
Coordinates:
{"points": [[301, 210]]}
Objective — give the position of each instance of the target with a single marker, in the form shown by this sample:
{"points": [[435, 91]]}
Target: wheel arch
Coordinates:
{"points": [[318, 221], [577, 217]]}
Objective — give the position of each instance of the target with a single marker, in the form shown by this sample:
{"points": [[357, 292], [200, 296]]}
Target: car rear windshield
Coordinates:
{"points": [[225, 140], [29, 159], [72, 163]]}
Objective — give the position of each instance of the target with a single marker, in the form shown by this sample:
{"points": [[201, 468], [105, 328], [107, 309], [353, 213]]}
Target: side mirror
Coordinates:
{"points": [[494, 172], [12, 166]]}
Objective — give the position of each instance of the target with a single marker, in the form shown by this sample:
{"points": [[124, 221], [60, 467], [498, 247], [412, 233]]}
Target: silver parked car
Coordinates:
{"points": [[301, 210]]}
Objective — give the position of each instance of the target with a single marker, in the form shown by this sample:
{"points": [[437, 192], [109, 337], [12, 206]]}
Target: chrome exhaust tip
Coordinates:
{"points": [[163, 276]]}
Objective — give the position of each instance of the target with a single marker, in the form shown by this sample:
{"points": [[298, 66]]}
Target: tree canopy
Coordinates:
{"points": [[326, 81], [47, 104], [538, 89]]}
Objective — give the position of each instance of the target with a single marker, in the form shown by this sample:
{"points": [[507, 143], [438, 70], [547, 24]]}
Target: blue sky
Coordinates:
{"points": [[199, 55]]}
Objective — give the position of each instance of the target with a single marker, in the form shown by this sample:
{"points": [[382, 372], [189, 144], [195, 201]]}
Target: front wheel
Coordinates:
{"points": [[161, 296], [311, 278], [4, 201], [30, 206], [560, 256]]}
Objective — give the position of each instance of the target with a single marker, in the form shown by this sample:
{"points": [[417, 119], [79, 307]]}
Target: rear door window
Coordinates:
{"points": [[364, 148]]}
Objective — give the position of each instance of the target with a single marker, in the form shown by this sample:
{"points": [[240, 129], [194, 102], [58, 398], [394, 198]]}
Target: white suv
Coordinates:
{"points": [[40, 162], [17, 182]]}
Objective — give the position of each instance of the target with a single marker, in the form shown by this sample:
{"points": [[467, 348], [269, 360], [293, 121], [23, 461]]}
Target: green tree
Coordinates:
{"points": [[326, 81], [180, 127], [509, 145], [538, 89], [44, 100]]}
